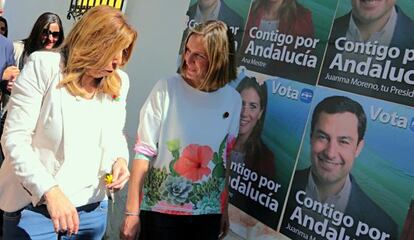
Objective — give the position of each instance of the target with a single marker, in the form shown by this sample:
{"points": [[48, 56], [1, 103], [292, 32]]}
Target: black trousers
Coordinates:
{"points": [[159, 226]]}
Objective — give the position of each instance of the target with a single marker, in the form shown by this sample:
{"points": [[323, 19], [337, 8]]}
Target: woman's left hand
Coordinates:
{"points": [[120, 175]]}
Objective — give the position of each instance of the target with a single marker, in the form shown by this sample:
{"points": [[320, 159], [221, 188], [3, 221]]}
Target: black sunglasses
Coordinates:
{"points": [[47, 32]]}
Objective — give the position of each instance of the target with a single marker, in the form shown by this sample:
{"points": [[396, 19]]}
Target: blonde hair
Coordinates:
{"points": [[94, 40], [219, 46]]}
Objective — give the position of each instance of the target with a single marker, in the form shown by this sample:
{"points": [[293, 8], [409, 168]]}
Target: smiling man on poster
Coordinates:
{"points": [[325, 199]]}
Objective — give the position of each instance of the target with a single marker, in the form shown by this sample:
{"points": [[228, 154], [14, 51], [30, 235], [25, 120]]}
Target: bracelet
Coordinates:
{"points": [[132, 214]]}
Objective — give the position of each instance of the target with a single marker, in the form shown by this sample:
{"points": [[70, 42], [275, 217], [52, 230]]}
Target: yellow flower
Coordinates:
{"points": [[108, 178]]}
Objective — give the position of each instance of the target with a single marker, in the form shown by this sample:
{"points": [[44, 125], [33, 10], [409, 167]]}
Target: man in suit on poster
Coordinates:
{"points": [[376, 34], [379, 20], [337, 138]]}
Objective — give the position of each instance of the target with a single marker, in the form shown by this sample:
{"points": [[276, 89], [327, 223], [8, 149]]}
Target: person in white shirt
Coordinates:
{"points": [[187, 128], [63, 132]]}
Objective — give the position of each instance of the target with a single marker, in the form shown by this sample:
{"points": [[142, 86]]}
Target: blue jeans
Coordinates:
{"points": [[34, 223]]}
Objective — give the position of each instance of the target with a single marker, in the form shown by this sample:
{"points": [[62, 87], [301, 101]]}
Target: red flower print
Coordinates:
{"points": [[193, 162]]}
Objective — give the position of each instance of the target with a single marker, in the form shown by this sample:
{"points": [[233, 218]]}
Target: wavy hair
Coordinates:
{"points": [[92, 44], [219, 45]]}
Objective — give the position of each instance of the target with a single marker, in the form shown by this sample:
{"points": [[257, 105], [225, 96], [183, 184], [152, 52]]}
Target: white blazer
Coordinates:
{"points": [[37, 134]]}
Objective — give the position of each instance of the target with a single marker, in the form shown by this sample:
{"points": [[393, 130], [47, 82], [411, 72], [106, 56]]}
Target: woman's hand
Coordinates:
{"points": [[10, 73], [120, 174], [130, 228], [62, 212]]}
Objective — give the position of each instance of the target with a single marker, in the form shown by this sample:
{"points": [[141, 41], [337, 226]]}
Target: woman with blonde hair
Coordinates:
{"points": [[63, 133], [187, 127]]}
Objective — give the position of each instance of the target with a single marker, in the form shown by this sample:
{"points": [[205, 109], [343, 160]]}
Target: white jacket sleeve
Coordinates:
{"points": [[150, 120], [23, 112]]}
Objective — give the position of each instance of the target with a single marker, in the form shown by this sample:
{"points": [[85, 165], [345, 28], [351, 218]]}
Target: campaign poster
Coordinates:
{"points": [[354, 178], [371, 50], [232, 12], [272, 121], [289, 43]]}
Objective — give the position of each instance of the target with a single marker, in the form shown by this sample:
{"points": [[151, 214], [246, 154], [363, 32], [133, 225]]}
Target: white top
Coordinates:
{"points": [[186, 134], [50, 138], [85, 162]]}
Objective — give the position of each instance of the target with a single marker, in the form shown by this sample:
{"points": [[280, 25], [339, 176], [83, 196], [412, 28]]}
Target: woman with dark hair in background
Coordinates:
{"points": [[47, 33], [4, 30]]}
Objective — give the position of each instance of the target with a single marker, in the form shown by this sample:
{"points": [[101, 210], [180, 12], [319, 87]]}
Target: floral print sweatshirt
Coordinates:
{"points": [[186, 134]]}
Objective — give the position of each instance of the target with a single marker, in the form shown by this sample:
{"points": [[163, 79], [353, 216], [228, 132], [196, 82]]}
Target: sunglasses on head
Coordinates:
{"points": [[47, 32]]}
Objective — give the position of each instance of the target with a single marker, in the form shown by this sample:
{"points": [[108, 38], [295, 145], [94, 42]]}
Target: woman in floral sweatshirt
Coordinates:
{"points": [[178, 184]]}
